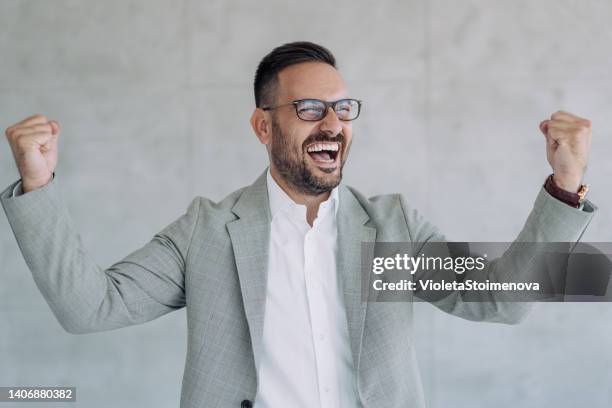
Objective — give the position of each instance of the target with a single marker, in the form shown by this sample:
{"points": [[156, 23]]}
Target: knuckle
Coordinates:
{"points": [[43, 127], [20, 141], [581, 127], [15, 134]]}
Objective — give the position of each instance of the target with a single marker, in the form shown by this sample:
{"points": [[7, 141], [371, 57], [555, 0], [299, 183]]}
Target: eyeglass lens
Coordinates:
{"points": [[313, 109]]}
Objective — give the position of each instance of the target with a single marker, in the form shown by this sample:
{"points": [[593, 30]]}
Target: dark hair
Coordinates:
{"points": [[266, 76]]}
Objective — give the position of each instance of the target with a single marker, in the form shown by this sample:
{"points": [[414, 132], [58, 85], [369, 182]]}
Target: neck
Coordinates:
{"points": [[311, 202]]}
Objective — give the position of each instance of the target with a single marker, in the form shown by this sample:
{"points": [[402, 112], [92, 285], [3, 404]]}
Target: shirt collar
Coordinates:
{"points": [[280, 201]]}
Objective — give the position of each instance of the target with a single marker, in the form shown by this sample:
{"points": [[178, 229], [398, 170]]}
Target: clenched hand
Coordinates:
{"points": [[34, 145], [568, 142]]}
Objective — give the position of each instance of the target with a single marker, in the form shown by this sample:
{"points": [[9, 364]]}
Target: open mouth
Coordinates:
{"points": [[324, 154]]}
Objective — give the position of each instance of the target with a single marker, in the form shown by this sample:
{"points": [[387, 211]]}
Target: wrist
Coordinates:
{"points": [[574, 197], [570, 184], [27, 185]]}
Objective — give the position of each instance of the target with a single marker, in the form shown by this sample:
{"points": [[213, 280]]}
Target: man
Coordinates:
{"points": [[270, 275]]}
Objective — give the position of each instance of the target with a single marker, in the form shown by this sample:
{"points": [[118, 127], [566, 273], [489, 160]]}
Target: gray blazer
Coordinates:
{"points": [[213, 260]]}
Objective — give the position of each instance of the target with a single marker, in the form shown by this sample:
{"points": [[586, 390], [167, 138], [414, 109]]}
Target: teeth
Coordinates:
{"points": [[317, 147]]}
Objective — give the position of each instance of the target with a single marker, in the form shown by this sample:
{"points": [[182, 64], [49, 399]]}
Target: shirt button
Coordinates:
{"points": [[327, 389], [321, 337]]}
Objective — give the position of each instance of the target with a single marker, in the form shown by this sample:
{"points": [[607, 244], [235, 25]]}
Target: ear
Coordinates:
{"points": [[261, 126]]}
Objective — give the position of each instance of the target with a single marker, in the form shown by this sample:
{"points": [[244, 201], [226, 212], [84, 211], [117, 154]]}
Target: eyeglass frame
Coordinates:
{"points": [[327, 106]]}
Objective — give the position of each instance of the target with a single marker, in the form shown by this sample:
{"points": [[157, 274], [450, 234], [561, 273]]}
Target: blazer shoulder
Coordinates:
{"points": [[218, 211], [394, 211], [379, 205]]}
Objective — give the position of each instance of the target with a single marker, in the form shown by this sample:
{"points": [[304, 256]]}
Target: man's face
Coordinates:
{"points": [[309, 156]]}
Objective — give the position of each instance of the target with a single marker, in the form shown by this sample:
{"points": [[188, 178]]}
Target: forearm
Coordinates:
{"points": [[53, 252], [83, 296], [550, 221]]}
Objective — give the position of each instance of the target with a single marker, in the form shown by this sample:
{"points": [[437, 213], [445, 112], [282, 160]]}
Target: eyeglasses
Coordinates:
{"points": [[312, 110]]}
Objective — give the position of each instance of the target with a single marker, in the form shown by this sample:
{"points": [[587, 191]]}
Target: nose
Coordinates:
{"points": [[330, 123]]}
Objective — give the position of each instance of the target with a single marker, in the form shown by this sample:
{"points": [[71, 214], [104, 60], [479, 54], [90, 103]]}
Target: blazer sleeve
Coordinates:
{"points": [[550, 221], [85, 298]]}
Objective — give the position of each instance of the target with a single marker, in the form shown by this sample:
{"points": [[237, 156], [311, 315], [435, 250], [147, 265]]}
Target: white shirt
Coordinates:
{"points": [[306, 359]]}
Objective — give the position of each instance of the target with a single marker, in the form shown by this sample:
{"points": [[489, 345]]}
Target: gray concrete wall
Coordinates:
{"points": [[154, 99]]}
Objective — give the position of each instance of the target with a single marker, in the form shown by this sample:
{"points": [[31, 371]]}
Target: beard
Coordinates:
{"points": [[291, 162]]}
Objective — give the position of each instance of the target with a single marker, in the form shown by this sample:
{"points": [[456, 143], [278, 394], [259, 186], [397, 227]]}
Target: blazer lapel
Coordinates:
{"points": [[352, 231], [250, 235]]}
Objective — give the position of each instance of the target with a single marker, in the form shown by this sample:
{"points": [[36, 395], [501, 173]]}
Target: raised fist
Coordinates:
{"points": [[568, 142], [34, 145]]}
